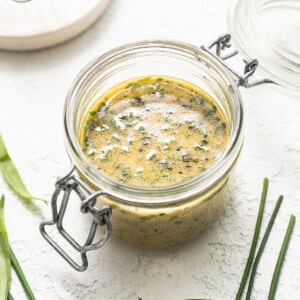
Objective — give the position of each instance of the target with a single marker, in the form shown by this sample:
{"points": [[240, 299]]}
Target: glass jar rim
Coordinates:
{"points": [[150, 196]]}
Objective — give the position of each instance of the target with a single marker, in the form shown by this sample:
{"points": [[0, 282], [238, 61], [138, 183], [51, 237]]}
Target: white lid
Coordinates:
{"points": [[269, 30], [42, 23]]}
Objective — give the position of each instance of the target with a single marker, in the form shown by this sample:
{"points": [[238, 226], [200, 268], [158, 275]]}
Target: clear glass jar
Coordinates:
{"points": [[158, 216], [269, 31]]}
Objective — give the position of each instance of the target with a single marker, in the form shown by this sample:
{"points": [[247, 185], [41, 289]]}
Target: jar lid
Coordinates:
{"points": [[35, 24], [269, 30]]}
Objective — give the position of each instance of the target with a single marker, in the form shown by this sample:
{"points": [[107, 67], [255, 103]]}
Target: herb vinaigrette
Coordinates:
{"points": [[154, 131]]}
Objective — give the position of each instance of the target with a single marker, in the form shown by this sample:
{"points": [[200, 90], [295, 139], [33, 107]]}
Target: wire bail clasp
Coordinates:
{"points": [[221, 44], [101, 217]]}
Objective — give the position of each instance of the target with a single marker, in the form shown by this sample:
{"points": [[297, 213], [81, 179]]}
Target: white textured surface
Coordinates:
{"points": [[33, 87]]}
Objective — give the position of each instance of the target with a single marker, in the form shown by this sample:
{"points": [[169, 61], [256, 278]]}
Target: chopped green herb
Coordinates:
{"points": [[165, 164], [131, 84], [137, 101], [93, 113], [116, 137], [197, 147], [126, 172], [113, 125], [101, 106], [200, 100], [173, 217], [212, 111], [149, 90], [104, 159], [187, 158]]}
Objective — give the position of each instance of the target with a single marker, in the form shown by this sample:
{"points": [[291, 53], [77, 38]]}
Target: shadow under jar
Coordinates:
{"points": [[167, 215]]}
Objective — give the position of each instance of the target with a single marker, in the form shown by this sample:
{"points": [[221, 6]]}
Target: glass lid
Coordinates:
{"points": [[269, 30]]}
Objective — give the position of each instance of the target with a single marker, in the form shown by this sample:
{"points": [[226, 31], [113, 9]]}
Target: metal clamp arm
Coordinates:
{"points": [[223, 43], [101, 217]]}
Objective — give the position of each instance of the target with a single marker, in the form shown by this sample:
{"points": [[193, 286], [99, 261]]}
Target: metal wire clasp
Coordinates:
{"points": [[223, 43], [101, 217]]}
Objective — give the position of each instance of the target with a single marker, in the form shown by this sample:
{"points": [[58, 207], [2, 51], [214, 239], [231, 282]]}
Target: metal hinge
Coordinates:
{"points": [[223, 43]]}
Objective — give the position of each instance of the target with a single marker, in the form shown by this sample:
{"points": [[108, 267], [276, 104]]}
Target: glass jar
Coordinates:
{"points": [[150, 216], [269, 31], [157, 216]]}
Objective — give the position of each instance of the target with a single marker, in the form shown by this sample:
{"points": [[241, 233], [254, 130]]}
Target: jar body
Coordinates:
{"points": [[168, 225], [168, 215]]}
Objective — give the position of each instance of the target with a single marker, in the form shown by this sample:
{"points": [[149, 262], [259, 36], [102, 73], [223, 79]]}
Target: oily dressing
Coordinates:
{"points": [[154, 131]]}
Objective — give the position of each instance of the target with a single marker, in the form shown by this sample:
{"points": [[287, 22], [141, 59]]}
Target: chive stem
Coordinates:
{"points": [[262, 246], [9, 296], [281, 257], [21, 276], [254, 240], [5, 264]]}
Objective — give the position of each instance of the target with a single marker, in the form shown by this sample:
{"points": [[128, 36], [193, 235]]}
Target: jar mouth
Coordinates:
{"points": [[154, 53]]}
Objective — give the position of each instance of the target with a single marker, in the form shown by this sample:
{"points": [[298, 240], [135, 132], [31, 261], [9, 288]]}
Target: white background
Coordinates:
{"points": [[33, 88]]}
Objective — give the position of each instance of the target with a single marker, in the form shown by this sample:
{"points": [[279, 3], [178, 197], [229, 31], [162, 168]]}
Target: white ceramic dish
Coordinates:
{"points": [[41, 23]]}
